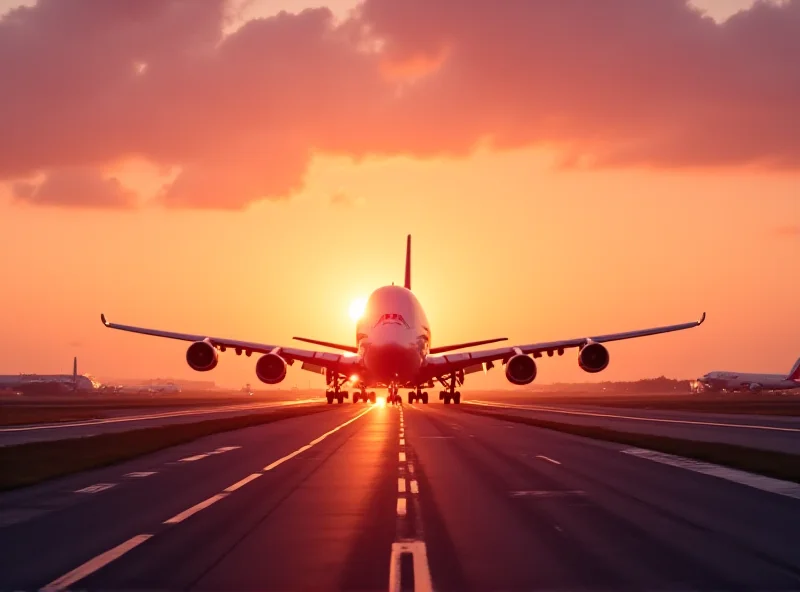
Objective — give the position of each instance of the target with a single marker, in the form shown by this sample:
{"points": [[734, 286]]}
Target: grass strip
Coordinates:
{"points": [[10, 416], [780, 465], [26, 464]]}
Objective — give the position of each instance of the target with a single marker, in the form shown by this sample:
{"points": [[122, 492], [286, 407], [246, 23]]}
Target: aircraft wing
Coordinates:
{"points": [[314, 361], [441, 365]]}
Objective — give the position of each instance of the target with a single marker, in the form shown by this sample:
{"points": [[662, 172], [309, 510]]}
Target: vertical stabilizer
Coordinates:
{"points": [[75, 373], [795, 373], [407, 283]]}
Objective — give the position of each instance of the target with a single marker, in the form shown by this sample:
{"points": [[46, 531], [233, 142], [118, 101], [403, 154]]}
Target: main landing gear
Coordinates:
{"points": [[418, 395], [364, 396], [451, 394], [336, 393]]}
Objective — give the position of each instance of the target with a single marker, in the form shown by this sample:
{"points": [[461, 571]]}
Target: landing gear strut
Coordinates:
{"points": [[335, 382], [394, 397], [451, 394]]}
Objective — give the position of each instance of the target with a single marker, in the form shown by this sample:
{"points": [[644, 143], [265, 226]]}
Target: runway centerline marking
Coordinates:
{"points": [[548, 459], [193, 458], [634, 418], [96, 563], [402, 457], [402, 441], [769, 484], [414, 486], [422, 573], [401, 506], [140, 474], [401, 485], [129, 418]]}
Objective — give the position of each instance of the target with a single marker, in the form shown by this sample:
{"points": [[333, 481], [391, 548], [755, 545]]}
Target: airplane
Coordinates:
{"points": [[393, 350], [51, 382], [737, 381]]}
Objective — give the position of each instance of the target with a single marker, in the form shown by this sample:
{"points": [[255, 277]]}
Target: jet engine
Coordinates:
{"points": [[202, 356], [755, 387], [593, 358], [520, 369], [271, 368]]}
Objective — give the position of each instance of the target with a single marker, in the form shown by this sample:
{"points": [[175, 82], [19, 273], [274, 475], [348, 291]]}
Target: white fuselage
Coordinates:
{"points": [[733, 381], [393, 338]]}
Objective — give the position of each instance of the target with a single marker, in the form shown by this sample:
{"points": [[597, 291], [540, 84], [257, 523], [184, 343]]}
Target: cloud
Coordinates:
{"points": [[91, 83], [76, 188]]}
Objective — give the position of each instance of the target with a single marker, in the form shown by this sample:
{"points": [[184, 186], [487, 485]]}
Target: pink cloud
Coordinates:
{"points": [[75, 188], [89, 83]]}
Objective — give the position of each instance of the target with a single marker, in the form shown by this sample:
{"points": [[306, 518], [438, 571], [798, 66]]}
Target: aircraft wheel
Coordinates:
{"points": [[425, 398], [447, 399], [373, 399], [441, 395], [457, 397], [329, 396], [410, 398], [355, 397]]}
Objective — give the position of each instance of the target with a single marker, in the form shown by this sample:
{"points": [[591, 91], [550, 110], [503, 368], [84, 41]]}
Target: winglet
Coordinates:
{"points": [[103, 318], [408, 263], [702, 319]]}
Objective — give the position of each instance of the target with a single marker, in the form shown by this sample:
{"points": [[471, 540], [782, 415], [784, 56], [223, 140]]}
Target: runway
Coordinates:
{"points": [[776, 433], [125, 420], [364, 498]]}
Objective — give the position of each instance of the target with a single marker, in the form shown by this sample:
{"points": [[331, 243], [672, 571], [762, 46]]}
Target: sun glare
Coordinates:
{"points": [[357, 308], [381, 402]]}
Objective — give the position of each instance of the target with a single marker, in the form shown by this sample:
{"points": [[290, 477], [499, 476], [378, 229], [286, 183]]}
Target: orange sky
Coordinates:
{"points": [[506, 243]]}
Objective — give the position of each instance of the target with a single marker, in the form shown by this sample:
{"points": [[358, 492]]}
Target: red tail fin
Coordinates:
{"points": [[407, 283]]}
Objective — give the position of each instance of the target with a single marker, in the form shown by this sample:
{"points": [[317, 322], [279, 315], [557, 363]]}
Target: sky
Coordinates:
{"points": [[565, 168]]}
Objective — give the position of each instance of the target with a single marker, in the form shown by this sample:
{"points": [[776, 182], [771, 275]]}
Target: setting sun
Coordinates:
{"points": [[357, 308]]}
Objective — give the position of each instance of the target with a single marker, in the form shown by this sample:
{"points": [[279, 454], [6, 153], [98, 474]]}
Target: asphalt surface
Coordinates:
{"points": [[430, 494], [124, 420], [767, 432]]}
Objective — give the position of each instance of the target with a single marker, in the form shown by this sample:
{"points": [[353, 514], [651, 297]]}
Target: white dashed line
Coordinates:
{"points": [[548, 459], [242, 483], [96, 488], [402, 456], [139, 474], [193, 458], [785, 488], [402, 441], [414, 486], [195, 509], [410, 468], [401, 506], [93, 565], [401, 485]]}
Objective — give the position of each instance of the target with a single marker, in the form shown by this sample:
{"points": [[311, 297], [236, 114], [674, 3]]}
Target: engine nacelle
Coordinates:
{"points": [[271, 368], [202, 356], [755, 387], [593, 358], [520, 369]]}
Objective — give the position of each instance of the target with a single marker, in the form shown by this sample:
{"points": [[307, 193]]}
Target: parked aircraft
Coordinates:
{"points": [[738, 381]]}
